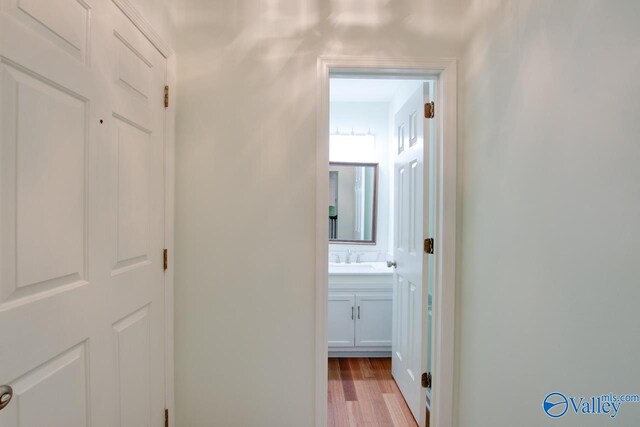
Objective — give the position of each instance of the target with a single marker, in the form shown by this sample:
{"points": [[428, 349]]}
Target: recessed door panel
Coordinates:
{"points": [[63, 23], [133, 68], [414, 186], [135, 74], [400, 220], [132, 335], [44, 149], [410, 330], [60, 385], [133, 169]]}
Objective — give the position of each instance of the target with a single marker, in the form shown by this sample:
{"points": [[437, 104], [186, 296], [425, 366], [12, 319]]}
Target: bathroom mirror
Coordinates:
{"points": [[353, 200]]}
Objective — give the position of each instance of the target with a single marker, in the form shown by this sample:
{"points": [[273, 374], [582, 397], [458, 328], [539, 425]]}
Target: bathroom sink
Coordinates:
{"points": [[360, 268]]}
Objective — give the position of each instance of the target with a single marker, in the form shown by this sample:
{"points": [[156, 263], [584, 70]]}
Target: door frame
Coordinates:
{"points": [[136, 17], [445, 72]]}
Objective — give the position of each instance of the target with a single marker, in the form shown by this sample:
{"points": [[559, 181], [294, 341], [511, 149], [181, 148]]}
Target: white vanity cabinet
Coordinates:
{"points": [[359, 314], [373, 319], [362, 319], [341, 320]]}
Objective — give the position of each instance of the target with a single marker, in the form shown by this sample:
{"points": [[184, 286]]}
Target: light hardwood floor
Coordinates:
{"points": [[362, 392]]}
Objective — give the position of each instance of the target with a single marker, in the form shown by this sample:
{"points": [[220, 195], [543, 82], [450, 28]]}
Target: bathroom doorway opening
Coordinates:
{"points": [[385, 232]]}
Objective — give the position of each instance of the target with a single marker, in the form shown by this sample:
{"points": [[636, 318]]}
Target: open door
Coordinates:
{"points": [[411, 321]]}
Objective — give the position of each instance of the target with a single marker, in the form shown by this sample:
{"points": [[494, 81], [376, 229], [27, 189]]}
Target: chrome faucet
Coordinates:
{"points": [[337, 257], [358, 260], [347, 259]]}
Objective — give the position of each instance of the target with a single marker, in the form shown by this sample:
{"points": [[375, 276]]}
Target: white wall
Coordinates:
{"points": [[549, 277], [363, 117], [245, 195]]}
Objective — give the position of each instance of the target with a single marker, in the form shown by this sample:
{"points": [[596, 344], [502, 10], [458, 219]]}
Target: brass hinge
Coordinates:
{"points": [[165, 259], [166, 418], [426, 380], [166, 96], [428, 245], [429, 110]]}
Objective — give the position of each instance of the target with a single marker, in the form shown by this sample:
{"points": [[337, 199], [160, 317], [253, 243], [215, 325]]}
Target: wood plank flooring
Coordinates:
{"points": [[362, 392]]}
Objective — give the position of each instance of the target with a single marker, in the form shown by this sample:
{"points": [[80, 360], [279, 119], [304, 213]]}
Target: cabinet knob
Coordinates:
{"points": [[392, 264]]}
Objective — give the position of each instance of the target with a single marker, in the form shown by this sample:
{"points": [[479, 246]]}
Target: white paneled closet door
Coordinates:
{"points": [[81, 216]]}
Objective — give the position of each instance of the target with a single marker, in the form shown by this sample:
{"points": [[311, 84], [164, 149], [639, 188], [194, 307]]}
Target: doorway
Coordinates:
{"points": [[384, 315]]}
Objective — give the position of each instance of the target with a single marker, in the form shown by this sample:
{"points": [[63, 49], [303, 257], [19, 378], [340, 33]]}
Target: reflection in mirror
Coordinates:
{"points": [[353, 193]]}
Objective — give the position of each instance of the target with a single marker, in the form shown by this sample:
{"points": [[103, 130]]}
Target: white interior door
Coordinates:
{"points": [[409, 355], [81, 216]]}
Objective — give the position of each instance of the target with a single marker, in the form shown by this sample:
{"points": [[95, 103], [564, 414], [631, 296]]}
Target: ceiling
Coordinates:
{"points": [[366, 90]]}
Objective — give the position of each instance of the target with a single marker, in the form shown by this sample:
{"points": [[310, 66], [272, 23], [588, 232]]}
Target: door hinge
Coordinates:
{"points": [[166, 96], [165, 259], [429, 110], [428, 245], [426, 380], [166, 418]]}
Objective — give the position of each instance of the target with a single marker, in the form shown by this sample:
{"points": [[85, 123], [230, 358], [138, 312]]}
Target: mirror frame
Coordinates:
{"points": [[374, 219]]}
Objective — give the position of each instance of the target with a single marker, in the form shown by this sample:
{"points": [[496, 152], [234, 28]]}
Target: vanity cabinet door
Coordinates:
{"points": [[341, 320], [373, 319]]}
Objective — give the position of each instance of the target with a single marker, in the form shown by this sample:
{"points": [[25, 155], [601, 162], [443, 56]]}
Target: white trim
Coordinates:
{"points": [[444, 292], [169, 187], [322, 243], [445, 250]]}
